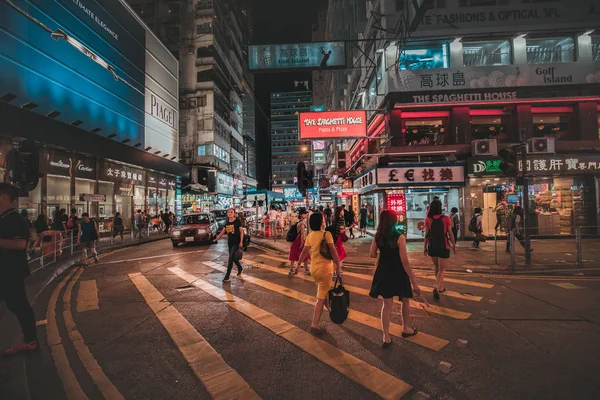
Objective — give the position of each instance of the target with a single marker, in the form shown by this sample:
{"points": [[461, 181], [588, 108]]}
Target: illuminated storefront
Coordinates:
{"points": [[563, 192]]}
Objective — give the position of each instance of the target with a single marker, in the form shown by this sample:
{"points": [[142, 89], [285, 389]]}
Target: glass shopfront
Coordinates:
{"points": [[374, 203], [58, 194], [417, 204]]}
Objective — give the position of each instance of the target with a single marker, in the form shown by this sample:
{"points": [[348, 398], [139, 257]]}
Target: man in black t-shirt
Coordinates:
{"points": [[14, 234], [235, 241]]}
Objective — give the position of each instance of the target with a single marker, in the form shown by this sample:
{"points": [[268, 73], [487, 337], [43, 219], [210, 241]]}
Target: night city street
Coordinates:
{"points": [[325, 199]]}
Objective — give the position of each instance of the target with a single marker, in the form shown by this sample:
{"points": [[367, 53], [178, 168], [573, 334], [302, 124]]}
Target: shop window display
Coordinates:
{"points": [[550, 50], [483, 53], [424, 131], [425, 57], [417, 204], [496, 197]]}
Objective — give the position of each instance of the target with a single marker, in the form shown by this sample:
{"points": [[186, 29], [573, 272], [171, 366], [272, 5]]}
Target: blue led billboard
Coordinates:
{"points": [[82, 58], [320, 55]]}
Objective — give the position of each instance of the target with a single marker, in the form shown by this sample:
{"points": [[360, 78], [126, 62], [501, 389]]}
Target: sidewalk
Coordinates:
{"points": [[551, 255]]}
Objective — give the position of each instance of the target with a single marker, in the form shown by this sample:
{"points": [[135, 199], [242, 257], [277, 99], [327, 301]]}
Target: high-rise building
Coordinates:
{"points": [[286, 149], [216, 90]]}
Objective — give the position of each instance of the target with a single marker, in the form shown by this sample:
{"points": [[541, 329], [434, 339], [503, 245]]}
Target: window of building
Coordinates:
{"points": [[425, 57], [424, 131], [595, 47], [205, 75], [205, 5], [207, 51], [205, 149], [204, 28], [222, 154], [489, 127], [481, 53], [550, 50], [551, 125]]}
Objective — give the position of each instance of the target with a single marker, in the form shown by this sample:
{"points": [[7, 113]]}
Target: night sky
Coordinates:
{"points": [[277, 21]]}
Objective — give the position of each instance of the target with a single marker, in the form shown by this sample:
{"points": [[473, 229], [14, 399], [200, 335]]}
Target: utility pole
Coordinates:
{"points": [[525, 180]]}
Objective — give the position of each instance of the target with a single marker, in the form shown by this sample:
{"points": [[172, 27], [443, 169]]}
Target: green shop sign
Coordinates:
{"points": [[484, 166]]}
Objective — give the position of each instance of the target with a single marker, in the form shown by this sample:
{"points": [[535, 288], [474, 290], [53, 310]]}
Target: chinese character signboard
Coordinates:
{"points": [[224, 184], [322, 55], [543, 164], [562, 163], [397, 203], [122, 174], [497, 80], [332, 124], [421, 175]]}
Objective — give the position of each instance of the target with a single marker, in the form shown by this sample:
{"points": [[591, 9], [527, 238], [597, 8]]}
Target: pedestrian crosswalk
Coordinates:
{"points": [[216, 373]]}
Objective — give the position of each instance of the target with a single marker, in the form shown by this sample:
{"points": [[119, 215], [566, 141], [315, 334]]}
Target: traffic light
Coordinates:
{"points": [[341, 160], [508, 165], [309, 180], [24, 166], [301, 178]]}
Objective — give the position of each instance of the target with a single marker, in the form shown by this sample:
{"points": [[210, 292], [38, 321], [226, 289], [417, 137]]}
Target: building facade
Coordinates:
{"points": [[286, 149], [469, 81], [104, 111], [216, 92]]}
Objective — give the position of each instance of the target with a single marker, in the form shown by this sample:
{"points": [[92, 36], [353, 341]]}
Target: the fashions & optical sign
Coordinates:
{"points": [[421, 175]]}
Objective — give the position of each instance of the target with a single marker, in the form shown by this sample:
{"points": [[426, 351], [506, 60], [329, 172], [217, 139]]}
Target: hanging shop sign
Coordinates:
{"points": [[162, 182], [543, 164], [332, 124], [497, 79], [318, 55], [92, 197], [365, 182], [421, 174], [291, 192], [397, 203]]}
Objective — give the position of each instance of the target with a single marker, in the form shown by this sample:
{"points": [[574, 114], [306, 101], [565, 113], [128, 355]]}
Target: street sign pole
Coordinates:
{"points": [[525, 177]]}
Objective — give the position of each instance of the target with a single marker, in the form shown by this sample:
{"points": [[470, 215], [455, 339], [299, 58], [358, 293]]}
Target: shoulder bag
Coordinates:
{"points": [[324, 248]]}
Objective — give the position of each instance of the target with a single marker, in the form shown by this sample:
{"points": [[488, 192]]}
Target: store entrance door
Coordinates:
{"points": [[124, 207]]}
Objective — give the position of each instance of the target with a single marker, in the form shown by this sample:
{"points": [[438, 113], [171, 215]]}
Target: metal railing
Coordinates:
{"points": [[578, 248], [51, 245]]}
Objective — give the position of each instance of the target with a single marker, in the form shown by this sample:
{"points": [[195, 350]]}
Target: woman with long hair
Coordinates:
{"points": [[339, 230], [321, 268], [438, 237], [393, 276]]}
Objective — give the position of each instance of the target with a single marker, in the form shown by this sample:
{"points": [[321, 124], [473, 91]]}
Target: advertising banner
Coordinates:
{"points": [[503, 78], [63, 164], [117, 173], [421, 175], [365, 182], [332, 124], [224, 184], [494, 16], [321, 55]]}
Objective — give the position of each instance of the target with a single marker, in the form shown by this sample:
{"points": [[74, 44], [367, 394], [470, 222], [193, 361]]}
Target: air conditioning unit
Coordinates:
{"points": [[485, 147], [541, 146]]}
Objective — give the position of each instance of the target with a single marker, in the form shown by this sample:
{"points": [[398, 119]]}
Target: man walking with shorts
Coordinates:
{"points": [[14, 235]]}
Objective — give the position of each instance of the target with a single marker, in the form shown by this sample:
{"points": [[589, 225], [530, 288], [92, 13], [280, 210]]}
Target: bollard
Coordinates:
{"points": [[72, 240], [513, 255], [578, 243]]}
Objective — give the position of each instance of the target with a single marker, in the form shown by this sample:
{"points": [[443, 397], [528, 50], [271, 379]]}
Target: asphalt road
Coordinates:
{"points": [[153, 322]]}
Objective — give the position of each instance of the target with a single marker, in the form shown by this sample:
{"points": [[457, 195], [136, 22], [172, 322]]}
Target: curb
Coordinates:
{"points": [[77, 259]]}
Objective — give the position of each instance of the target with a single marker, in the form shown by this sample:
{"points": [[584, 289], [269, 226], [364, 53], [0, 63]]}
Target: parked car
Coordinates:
{"points": [[195, 228], [221, 217]]}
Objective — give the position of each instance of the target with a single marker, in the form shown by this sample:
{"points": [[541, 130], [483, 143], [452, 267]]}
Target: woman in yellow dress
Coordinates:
{"points": [[321, 268]]}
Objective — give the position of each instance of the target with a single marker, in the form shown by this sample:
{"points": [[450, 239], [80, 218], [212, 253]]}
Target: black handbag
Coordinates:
{"points": [[338, 302], [324, 248]]}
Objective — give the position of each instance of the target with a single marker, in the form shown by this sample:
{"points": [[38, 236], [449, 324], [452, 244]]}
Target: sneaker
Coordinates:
{"points": [[226, 279], [96, 259], [21, 348], [292, 272], [307, 272]]}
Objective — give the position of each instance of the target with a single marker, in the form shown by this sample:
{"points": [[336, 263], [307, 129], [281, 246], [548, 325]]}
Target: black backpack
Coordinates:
{"points": [[338, 302], [473, 224], [292, 234], [437, 235]]}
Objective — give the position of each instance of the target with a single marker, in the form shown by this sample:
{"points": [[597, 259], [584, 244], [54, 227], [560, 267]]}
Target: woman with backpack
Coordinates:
{"points": [[393, 276], [438, 237], [297, 235]]}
